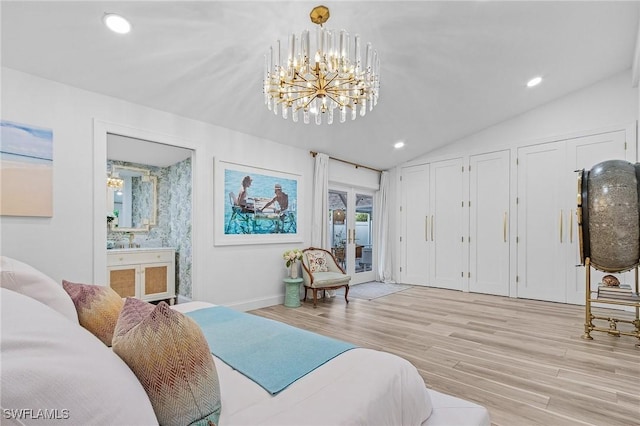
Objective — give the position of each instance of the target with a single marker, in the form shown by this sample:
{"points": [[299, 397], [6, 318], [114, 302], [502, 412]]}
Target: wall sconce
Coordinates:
{"points": [[113, 181]]}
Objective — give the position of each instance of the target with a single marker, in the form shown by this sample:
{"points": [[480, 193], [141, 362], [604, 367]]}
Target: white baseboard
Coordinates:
{"points": [[250, 305]]}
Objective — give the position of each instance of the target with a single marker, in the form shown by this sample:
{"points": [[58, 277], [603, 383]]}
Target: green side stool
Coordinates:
{"points": [[292, 293]]}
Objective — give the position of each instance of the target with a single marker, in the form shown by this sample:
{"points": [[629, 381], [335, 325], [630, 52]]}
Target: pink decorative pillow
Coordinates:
{"points": [[168, 353], [317, 261], [98, 308]]}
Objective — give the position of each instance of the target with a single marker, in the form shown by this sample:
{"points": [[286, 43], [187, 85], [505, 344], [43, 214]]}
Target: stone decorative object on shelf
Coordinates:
{"points": [[610, 281], [609, 215]]}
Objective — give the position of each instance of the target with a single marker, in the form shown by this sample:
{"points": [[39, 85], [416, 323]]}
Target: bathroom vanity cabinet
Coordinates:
{"points": [[144, 273]]}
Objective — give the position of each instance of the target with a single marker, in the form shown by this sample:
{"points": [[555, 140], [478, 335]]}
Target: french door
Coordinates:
{"points": [[351, 232]]}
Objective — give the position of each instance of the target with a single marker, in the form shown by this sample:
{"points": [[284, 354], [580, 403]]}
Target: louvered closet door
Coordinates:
{"points": [[489, 223], [446, 228], [541, 224], [584, 153], [414, 216]]}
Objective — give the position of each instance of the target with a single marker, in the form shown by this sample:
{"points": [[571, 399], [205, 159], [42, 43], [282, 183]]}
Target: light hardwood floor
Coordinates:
{"points": [[524, 360]]}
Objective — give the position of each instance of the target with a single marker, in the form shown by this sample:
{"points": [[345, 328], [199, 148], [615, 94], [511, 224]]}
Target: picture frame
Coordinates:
{"points": [[255, 205], [26, 168]]}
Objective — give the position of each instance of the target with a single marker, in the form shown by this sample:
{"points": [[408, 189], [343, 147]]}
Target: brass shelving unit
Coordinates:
{"points": [[613, 321]]}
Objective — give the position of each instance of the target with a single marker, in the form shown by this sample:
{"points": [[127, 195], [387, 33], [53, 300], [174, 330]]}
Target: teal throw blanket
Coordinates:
{"points": [[270, 353]]}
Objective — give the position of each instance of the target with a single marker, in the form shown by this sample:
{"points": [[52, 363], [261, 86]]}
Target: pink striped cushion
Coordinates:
{"points": [[97, 306], [170, 356]]}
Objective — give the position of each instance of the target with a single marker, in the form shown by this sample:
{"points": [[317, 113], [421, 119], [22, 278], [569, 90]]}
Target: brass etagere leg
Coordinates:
{"points": [[588, 320], [636, 323]]}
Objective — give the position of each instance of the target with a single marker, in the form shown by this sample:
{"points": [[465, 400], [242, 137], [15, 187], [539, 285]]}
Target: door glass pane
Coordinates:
{"points": [[338, 226], [364, 232]]}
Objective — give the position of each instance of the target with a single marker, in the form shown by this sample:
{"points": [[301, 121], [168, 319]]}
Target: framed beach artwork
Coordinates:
{"points": [[26, 170], [255, 205]]}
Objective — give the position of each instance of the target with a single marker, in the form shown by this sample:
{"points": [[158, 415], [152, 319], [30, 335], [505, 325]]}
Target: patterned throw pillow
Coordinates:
{"points": [[168, 353], [97, 306], [317, 261]]}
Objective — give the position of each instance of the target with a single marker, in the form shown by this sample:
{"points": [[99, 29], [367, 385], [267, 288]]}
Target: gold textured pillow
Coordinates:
{"points": [[168, 353], [317, 261], [97, 307]]}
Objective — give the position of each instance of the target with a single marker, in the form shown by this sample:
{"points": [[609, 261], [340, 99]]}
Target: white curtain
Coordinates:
{"points": [[320, 206], [384, 268]]}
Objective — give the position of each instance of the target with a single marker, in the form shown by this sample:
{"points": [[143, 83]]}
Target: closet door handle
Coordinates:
{"points": [[571, 226], [504, 227], [433, 219], [561, 214], [426, 228]]}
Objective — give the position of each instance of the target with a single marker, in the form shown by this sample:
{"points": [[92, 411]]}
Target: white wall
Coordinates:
{"points": [[344, 173], [64, 246], [608, 104]]}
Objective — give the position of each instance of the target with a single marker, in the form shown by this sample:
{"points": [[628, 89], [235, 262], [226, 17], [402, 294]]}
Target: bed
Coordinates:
{"points": [[53, 369]]}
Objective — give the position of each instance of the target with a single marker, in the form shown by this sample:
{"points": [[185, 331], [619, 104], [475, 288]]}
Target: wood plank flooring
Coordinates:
{"points": [[524, 360]]}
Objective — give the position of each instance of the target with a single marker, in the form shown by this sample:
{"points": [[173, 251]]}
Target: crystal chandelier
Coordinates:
{"points": [[337, 81]]}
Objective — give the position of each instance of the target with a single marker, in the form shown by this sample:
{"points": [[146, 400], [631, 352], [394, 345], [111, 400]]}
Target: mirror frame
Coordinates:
{"points": [[146, 177]]}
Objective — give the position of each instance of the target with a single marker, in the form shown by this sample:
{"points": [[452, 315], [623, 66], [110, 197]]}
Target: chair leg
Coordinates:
{"points": [[315, 297], [306, 290], [346, 293]]}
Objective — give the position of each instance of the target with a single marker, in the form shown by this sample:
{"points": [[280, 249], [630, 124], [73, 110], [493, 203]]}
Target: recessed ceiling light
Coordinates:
{"points": [[116, 23], [534, 81], [398, 145]]}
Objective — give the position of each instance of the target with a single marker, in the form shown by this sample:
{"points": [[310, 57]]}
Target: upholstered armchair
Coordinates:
{"points": [[321, 271]]}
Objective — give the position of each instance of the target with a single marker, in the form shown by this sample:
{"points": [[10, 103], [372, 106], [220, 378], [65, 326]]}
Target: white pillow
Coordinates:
{"points": [[51, 363], [27, 280]]}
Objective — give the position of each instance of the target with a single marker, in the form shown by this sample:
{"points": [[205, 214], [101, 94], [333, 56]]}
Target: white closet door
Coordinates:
{"points": [[489, 223], [542, 222], [584, 153], [446, 227], [414, 217]]}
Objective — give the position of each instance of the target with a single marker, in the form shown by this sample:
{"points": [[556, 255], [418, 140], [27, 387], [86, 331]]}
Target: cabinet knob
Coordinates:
{"points": [[121, 258]]}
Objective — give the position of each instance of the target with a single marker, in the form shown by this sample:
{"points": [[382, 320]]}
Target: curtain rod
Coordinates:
{"points": [[356, 165]]}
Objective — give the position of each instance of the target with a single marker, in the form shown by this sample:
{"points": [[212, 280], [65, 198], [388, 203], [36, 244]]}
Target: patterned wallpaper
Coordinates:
{"points": [[173, 223]]}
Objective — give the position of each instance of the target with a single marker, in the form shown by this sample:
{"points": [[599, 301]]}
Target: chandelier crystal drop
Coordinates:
{"points": [[335, 82]]}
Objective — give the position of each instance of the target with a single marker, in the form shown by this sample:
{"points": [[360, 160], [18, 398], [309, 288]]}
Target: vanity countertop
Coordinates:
{"points": [[139, 249]]}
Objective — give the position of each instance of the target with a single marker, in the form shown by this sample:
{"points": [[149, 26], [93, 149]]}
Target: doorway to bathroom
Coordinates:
{"points": [[151, 205]]}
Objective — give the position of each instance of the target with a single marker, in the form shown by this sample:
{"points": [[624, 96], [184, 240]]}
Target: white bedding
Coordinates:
{"points": [[359, 387]]}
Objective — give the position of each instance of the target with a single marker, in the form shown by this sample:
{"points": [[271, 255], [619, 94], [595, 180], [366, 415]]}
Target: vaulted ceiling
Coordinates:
{"points": [[448, 69]]}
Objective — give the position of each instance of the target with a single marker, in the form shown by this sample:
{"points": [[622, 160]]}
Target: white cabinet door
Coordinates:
{"points": [[489, 223], [549, 248], [414, 216], [541, 203], [584, 153], [446, 226]]}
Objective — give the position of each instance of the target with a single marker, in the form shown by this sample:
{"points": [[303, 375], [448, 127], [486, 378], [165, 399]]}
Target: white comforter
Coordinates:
{"points": [[359, 387]]}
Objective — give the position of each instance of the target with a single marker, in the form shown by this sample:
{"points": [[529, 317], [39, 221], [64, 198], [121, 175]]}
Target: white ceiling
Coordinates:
{"points": [[448, 69]]}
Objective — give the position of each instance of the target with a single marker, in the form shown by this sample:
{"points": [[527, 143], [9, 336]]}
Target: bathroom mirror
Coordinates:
{"points": [[135, 204]]}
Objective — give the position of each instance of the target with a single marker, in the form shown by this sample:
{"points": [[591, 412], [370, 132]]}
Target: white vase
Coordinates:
{"points": [[293, 270]]}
